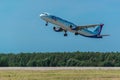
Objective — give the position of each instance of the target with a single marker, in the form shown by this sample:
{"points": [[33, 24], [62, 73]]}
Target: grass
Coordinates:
{"points": [[60, 75]]}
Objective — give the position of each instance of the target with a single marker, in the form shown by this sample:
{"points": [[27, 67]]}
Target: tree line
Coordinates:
{"points": [[67, 59]]}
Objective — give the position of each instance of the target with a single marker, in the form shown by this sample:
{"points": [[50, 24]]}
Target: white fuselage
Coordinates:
{"points": [[64, 24]]}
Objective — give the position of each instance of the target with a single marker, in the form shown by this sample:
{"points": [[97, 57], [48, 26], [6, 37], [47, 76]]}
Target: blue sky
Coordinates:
{"points": [[22, 30]]}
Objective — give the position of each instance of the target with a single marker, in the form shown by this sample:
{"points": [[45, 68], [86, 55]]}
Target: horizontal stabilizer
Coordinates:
{"points": [[105, 35]]}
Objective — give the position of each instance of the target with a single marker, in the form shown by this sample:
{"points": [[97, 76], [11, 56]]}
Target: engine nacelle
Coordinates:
{"points": [[57, 29]]}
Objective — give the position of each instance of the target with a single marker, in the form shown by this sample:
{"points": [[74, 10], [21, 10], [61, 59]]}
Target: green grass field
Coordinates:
{"points": [[60, 75]]}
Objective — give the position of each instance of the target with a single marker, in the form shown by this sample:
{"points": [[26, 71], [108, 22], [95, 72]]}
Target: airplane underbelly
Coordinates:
{"points": [[85, 33], [63, 26], [66, 27], [82, 32]]}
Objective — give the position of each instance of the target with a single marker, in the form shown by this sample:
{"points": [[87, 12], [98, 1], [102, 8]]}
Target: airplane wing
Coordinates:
{"points": [[86, 26]]}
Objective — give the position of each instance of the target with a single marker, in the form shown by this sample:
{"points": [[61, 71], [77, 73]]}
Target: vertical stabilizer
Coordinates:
{"points": [[98, 29]]}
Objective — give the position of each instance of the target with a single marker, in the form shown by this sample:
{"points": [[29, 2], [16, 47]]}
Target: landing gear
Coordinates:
{"points": [[65, 33], [46, 24], [76, 33], [54, 28]]}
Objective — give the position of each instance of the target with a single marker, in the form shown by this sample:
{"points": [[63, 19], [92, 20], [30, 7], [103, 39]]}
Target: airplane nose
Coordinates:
{"points": [[41, 15]]}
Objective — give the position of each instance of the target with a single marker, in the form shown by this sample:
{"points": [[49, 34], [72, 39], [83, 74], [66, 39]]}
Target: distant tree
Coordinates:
{"points": [[3, 60], [72, 62], [61, 59], [108, 64]]}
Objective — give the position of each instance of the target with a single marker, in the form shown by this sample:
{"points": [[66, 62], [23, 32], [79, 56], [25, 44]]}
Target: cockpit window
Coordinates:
{"points": [[45, 14]]}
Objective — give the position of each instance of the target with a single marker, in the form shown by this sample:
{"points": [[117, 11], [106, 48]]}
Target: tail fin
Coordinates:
{"points": [[98, 29]]}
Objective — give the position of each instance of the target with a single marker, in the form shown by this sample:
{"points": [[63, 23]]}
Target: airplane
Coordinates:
{"points": [[64, 26]]}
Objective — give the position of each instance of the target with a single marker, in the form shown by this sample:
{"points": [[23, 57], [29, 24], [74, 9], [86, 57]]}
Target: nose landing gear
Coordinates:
{"points": [[46, 24]]}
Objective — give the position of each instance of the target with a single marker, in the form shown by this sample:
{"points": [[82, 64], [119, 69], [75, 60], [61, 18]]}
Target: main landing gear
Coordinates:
{"points": [[65, 33], [76, 33]]}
